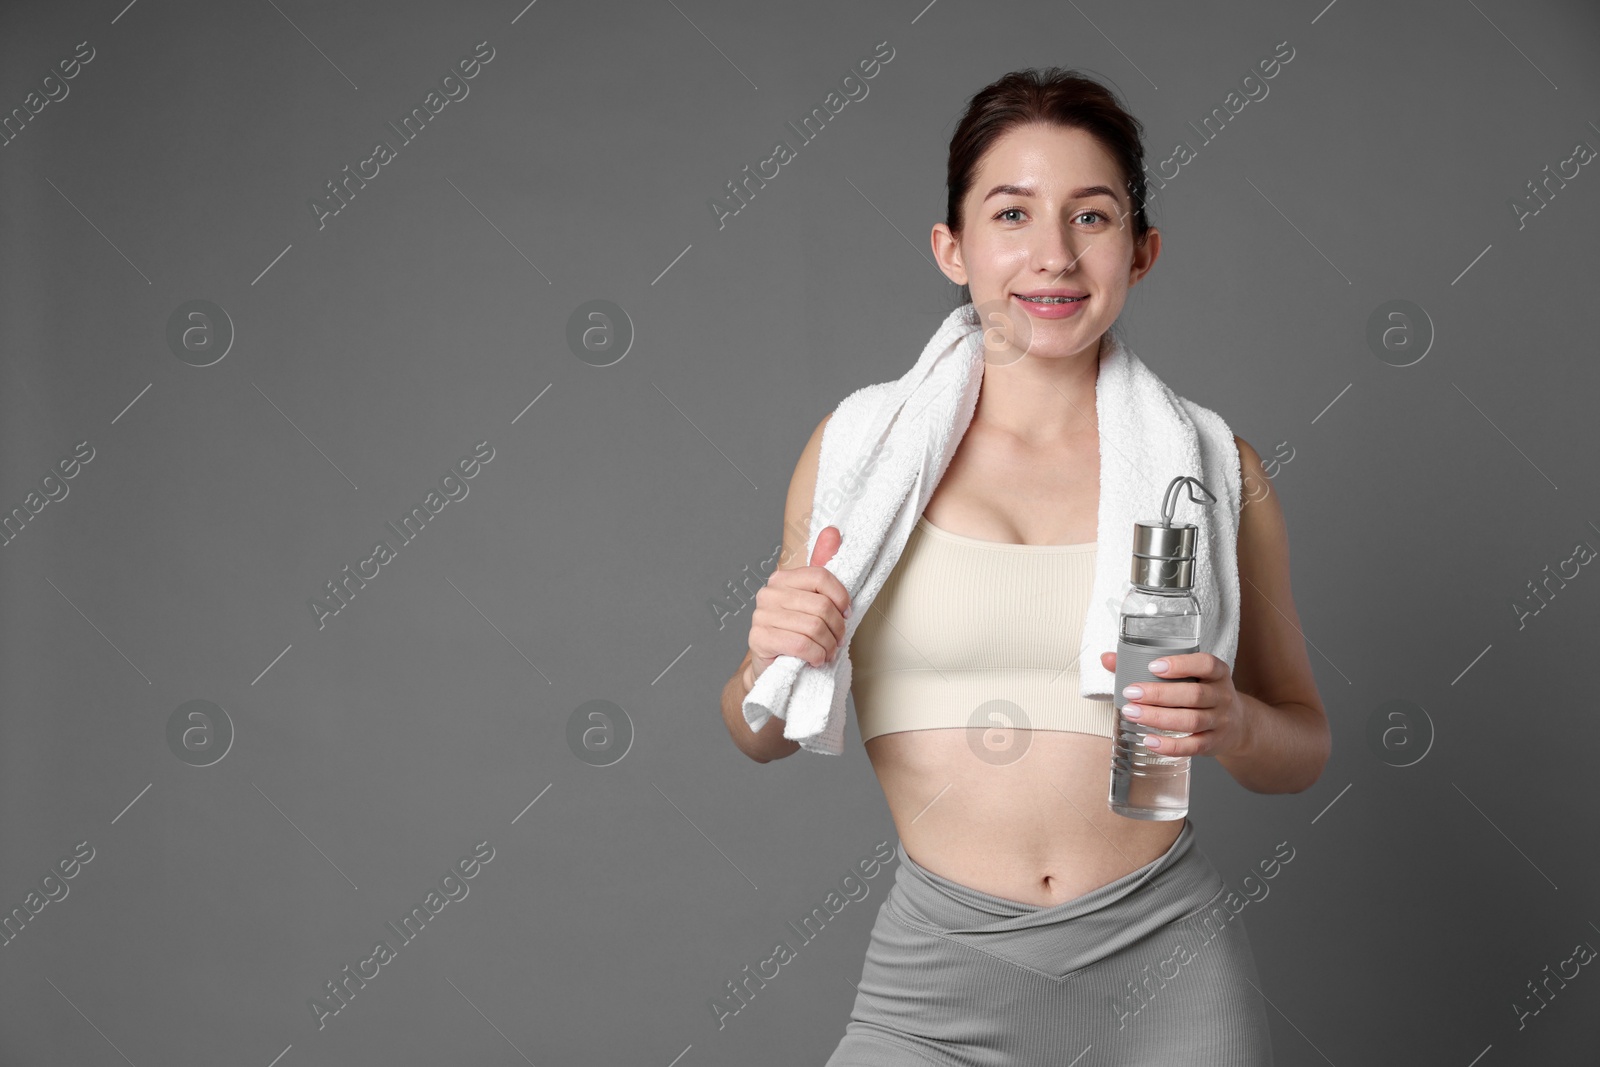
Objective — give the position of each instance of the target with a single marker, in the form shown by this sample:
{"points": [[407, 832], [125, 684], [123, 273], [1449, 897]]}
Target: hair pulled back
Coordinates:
{"points": [[1057, 96]]}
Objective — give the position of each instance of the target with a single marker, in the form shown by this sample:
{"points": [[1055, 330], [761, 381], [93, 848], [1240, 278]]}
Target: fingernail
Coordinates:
{"points": [[1132, 711], [1132, 692], [848, 609], [1158, 666], [1152, 741]]}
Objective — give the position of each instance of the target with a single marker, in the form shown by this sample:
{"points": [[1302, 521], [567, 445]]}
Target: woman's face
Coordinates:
{"points": [[1035, 224]]}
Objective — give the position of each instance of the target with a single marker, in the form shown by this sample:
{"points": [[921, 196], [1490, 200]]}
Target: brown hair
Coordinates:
{"points": [[1061, 97]]}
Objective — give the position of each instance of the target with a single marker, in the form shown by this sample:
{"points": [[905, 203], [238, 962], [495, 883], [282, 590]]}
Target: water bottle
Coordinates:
{"points": [[1159, 617]]}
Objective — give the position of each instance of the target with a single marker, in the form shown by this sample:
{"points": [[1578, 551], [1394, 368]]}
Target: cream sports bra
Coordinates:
{"points": [[965, 632]]}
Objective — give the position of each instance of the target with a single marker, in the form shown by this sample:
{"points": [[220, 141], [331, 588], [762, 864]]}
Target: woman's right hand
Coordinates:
{"points": [[801, 610]]}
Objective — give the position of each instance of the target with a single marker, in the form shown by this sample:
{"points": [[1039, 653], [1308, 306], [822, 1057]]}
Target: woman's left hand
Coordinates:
{"points": [[1210, 710]]}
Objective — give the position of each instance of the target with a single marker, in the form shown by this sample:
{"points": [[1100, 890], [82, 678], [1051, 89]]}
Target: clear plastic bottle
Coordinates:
{"points": [[1160, 617]]}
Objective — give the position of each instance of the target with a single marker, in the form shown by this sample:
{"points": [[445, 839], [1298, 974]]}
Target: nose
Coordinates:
{"points": [[1058, 249]]}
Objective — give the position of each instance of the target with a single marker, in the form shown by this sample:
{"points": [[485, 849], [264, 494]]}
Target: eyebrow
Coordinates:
{"points": [[1027, 190]]}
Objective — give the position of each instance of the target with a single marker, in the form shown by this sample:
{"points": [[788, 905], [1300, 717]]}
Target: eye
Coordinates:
{"points": [[1098, 216]]}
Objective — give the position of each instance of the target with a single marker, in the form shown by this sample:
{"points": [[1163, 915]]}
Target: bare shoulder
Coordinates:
{"points": [[1261, 523], [1271, 663]]}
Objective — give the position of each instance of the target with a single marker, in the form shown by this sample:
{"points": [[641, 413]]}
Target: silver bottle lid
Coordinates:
{"points": [[1164, 551]]}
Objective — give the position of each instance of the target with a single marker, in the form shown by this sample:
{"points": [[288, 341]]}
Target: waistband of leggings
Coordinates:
{"points": [[1179, 881]]}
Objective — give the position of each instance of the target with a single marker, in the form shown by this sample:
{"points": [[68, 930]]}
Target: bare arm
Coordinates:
{"points": [[1289, 739]]}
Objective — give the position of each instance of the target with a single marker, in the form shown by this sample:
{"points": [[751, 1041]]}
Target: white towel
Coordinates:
{"points": [[903, 433]]}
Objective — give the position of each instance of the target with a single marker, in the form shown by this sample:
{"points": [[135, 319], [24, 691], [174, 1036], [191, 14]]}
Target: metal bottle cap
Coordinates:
{"points": [[1164, 551]]}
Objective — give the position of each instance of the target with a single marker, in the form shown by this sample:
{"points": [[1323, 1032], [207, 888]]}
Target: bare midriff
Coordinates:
{"points": [[1034, 828]]}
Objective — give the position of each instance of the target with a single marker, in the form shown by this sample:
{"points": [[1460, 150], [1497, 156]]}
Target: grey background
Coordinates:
{"points": [[433, 712]]}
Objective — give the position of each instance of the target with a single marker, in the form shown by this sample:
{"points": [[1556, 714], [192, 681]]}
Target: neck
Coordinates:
{"points": [[1041, 400]]}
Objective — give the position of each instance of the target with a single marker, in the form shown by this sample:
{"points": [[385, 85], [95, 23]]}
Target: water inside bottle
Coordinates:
{"points": [[1146, 784]]}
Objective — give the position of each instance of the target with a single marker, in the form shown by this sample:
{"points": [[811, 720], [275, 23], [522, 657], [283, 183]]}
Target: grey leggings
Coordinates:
{"points": [[1154, 968]]}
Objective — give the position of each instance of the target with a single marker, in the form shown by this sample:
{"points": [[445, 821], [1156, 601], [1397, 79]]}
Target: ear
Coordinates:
{"points": [[947, 254], [1145, 256]]}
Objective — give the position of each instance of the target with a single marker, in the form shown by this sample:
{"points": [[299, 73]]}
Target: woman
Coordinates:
{"points": [[1028, 922]]}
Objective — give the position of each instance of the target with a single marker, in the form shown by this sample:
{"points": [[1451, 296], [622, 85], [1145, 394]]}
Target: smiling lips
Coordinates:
{"points": [[1052, 303]]}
